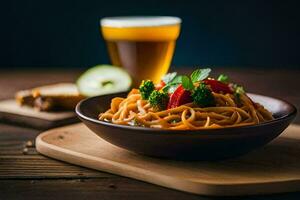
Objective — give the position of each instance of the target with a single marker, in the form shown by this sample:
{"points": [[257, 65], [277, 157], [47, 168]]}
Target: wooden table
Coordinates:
{"points": [[28, 175]]}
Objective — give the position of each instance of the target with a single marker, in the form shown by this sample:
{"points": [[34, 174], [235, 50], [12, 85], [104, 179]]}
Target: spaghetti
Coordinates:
{"points": [[228, 111]]}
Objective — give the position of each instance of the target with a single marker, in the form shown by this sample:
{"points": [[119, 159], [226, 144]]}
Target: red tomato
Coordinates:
{"points": [[217, 86], [160, 85], [179, 97]]}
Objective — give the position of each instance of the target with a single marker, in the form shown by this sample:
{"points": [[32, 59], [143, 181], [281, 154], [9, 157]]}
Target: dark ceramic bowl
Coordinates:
{"points": [[211, 144]]}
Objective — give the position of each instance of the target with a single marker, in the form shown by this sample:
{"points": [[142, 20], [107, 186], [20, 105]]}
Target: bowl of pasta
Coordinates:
{"points": [[194, 117]]}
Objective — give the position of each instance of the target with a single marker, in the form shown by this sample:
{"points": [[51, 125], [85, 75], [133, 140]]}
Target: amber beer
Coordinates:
{"points": [[144, 46]]}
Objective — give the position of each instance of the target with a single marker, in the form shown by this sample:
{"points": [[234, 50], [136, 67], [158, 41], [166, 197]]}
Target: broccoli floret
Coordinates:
{"points": [[159, 100], [202, 96], [146, 88]]}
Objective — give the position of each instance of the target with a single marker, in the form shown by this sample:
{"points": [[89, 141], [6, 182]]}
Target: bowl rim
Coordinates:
{"points": [[164, 131]]}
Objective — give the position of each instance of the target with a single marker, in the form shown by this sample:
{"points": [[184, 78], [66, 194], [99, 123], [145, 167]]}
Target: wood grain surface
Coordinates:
{"points": [[246, 175], [73, 182]]}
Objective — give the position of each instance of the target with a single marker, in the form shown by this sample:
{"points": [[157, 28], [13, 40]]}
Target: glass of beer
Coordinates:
{"points": [[144, 46]]}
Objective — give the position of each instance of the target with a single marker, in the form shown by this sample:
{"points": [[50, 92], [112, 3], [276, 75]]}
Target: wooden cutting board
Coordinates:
{"points": [[11, 112], [274, 168]]}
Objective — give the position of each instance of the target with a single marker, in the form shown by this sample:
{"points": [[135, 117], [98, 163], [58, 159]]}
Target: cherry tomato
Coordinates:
{"points": [[179, 97], [217, 86]]}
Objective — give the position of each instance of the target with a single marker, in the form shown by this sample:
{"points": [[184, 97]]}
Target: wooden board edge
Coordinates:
{"points": [[35, 122], [190, 186]]}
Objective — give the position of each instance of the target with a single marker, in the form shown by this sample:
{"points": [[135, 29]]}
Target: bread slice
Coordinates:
{"points": [[61, 96], [24, 97]]}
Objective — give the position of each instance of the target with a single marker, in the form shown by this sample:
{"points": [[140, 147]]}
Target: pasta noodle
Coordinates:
{"points": [[228, 112]]}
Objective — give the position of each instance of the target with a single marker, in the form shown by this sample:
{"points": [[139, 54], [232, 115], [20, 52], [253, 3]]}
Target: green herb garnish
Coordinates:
{"points": [[237, 91], [172, 80], [171, 86], [187, 83], [200, 74], [176, 80], [169, 77], [223, 78]]}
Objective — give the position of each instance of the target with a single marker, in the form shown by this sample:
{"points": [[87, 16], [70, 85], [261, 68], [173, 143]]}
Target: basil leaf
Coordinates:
{"points": [[169, 77], [176, 80], [200, 74], [166, 88], [171, 86], [187, 83]]}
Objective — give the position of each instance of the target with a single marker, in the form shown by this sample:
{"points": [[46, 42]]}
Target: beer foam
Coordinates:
{"points": [[139, 21]]}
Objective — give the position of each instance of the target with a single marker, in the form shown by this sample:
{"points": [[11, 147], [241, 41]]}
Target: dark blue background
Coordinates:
{"points": [[217, 33]]}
